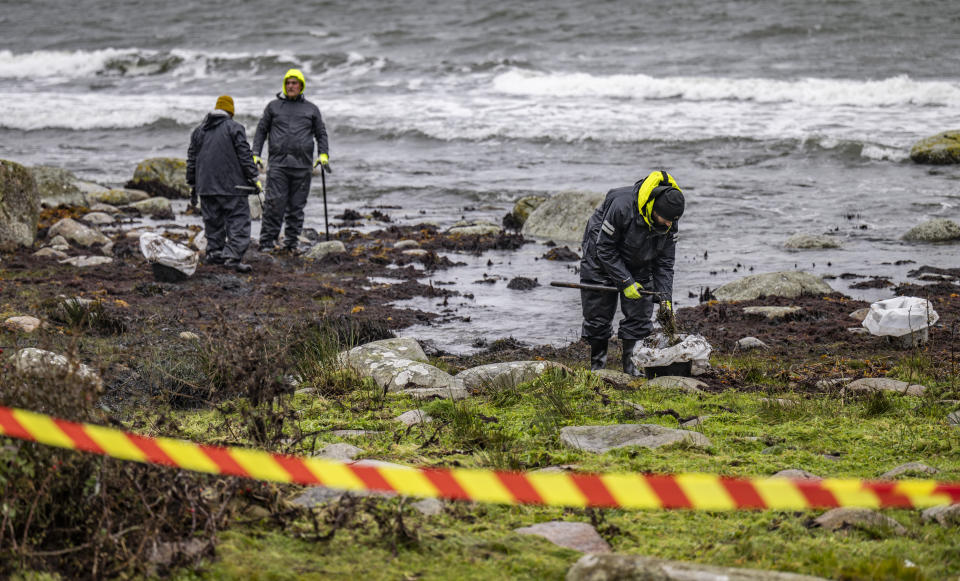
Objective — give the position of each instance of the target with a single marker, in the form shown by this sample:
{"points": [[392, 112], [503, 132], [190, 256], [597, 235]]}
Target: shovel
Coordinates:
{"points": [[597, 287]]}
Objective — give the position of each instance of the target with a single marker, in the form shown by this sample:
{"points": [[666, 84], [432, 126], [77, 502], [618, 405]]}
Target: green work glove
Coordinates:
{"points": [[323, 160], [667, 306], [258, 161], [259, 186], [633, 291]]}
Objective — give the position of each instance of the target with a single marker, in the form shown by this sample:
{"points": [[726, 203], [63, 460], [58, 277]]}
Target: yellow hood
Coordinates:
{"points": [[644, 201], [296, 74]]}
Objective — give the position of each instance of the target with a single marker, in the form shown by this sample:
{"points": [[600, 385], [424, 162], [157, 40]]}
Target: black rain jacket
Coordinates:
{"points": [[291, 126], [219, 158], [619, 248]]}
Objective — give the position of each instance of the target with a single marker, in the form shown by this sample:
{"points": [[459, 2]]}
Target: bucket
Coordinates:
{"points": [[164, 273], [677, 368]]}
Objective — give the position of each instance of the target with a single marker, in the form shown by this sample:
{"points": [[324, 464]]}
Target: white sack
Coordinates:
{"points": [[900, 316], [656, 353], [156, 248]]}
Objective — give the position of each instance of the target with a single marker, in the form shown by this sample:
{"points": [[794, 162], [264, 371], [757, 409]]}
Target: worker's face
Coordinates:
{"points": [[293, 87], [660, 224]]}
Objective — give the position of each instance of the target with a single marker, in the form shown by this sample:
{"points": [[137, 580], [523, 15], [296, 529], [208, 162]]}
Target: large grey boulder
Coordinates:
{"points": [[578, 536], [400, 347], [600, 439], [871, 384], [940, 149], [397, 364], [563, 216], [936, 230], [615, 567], [19, 206], [687, 384], [845, 517], [77, 233], [46, 364], [811, 242], [507, 375], [162, 176], [57, 186], [773, 284], [395, 374], [521, 211], [157, 207]]}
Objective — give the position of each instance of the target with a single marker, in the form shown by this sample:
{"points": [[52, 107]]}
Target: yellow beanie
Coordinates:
{"points": [[225, 103]]}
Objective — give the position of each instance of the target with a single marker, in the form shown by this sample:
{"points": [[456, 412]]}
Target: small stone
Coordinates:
{"points": [[600, 439], [322, 249], [189, 336], [98, 218], [750, 343], [26, 324], [860, 314], [779, 402], [615, 378], [697, 421], [84, 261], [843, 518], [415, 252], [857, 331], [948, 515], [405, 244], [914, 467], [872, 384], [687, 384], [413, 417], [810, 241], [572, 535], [772, 313], [340, 451], [51, 253], [953, 418], [796, 474], [562, 468]]}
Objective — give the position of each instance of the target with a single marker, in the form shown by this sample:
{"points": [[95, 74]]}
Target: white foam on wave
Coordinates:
{"points": [[94, 111], [898, 90], [57, 63]]}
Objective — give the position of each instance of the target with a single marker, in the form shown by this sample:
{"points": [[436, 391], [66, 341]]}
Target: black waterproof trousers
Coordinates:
{"points": [[599, 309], [226, 223], [286, 197]]}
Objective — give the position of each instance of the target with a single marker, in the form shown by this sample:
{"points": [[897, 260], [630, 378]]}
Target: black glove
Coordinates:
{"points": [[194, 198]]}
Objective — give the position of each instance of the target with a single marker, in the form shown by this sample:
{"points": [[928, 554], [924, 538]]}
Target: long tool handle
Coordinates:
{"points": [[326, 219], [596, 287]]}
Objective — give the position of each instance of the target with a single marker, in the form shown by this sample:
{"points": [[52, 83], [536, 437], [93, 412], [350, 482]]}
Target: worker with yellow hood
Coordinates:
{"points": [[291, 124]]}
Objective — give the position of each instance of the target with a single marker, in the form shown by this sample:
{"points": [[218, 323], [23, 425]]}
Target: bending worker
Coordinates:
{"points": [[220, 170], [630, 243], [291, 124]]}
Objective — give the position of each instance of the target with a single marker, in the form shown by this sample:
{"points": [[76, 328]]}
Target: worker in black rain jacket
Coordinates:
{"points": [[630, 243], [291, 124], [221, 172]]}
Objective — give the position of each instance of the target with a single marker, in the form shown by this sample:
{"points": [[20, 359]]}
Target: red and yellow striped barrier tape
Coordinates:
{"points": [[632, 491]]}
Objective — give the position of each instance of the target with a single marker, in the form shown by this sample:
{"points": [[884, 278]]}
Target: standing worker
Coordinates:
{"points": [[291, 124], [220, 171], [630, 243]]}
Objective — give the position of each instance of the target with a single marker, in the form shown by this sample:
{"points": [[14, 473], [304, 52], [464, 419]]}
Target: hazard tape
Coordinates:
{"points": [[624, 490]]}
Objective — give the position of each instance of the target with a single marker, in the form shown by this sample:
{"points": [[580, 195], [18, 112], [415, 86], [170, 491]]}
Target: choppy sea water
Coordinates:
{"points": [[776, 118]]}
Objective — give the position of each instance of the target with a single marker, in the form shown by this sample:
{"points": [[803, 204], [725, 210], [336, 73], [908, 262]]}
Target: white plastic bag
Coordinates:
{"points": [[900, 316], [655, 352], [156, 248]]}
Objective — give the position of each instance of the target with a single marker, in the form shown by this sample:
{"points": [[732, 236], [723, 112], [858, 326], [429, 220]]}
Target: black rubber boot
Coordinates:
{"points": [[598, 354], [628, 367], [238, 266]]}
